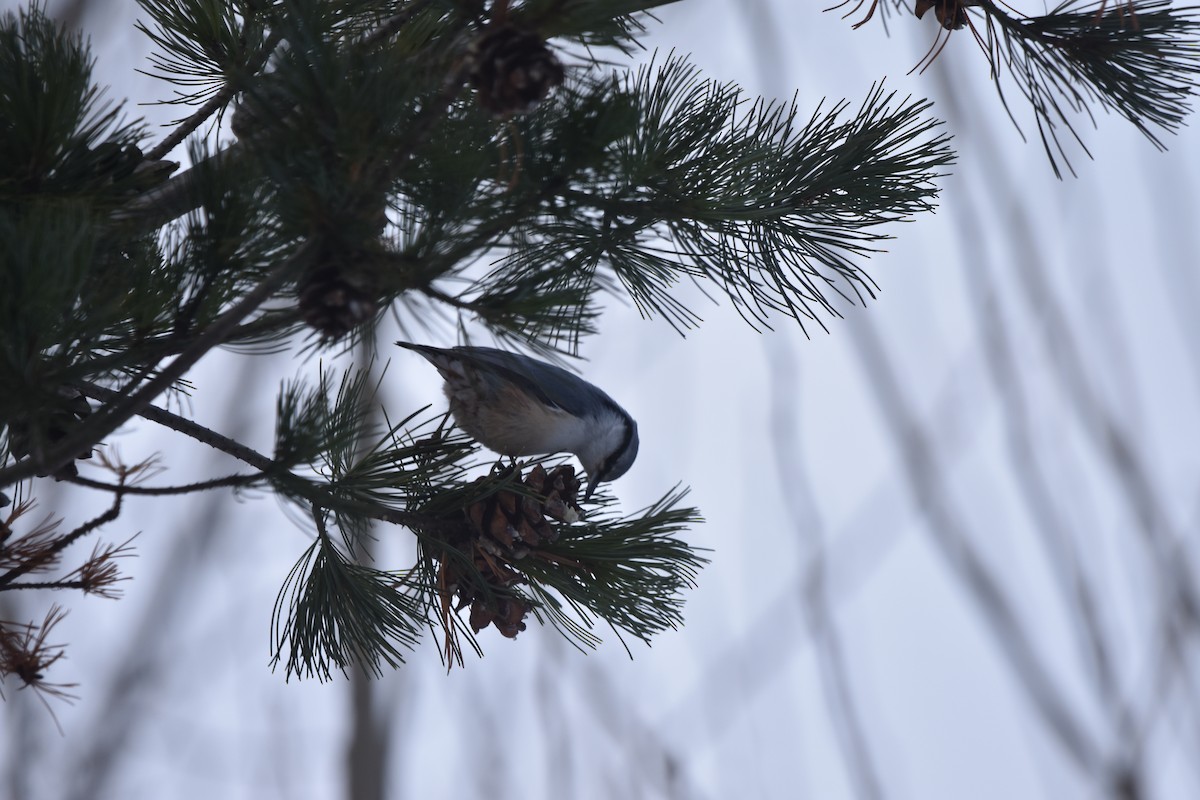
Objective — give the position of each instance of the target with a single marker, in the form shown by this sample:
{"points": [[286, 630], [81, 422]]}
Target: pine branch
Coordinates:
{"points": [[96, 576], [490, 540], [375, 483], [185, 426], [367, 172], [680, 180], [1137, 58], [180, 195], [628, 572], [60, 138], [201, 43], [50, 553], [215, 103], [78, 584], [371, 486], [34, 548], [26, 653], [137, 398], [339, 613]]}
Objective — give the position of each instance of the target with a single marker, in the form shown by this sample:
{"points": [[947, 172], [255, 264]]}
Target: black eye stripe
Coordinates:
{"points": [[608, 463]]}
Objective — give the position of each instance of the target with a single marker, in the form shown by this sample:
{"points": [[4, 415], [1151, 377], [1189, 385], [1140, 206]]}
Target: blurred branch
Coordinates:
{"points": [[1080, 589], [660, 768], [801, 505], [1036, 487], [949, 530], [119, 719], [813, 595], [870, 534], [372, 723], [1175, 584]]}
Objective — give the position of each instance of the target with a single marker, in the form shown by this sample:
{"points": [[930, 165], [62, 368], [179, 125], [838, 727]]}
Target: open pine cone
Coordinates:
{"points": [[505, 528]]}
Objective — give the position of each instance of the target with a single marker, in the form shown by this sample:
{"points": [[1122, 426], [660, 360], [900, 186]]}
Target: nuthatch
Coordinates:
{"points": [[519, 406]]}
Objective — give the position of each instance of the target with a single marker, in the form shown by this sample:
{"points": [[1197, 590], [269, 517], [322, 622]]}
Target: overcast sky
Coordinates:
{"points": [[908, 515]]}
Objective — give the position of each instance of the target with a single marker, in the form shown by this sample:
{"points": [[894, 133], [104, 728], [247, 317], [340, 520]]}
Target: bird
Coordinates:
{"points": [[520, 406]]}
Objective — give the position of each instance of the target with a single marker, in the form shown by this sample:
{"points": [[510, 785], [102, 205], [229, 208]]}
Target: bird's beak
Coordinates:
{"points": [[591, 487]]}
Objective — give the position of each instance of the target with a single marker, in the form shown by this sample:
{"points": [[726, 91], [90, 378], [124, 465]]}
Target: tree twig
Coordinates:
{"points": [[63, 542], [107, 420], [187, 488], [210, 107], [45, 585], [268, 467]]}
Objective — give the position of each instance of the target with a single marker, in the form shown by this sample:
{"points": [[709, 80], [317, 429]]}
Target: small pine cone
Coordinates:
{"points": [[499, 522], [532, 527], [61, 421], [508, 615], [503, 529], [335, 299], [563, 479], [512, 70], [950, 14]]}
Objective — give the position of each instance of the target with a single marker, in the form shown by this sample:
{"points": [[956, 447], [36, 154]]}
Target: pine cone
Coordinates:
{"points": [[508, 615], [518, 521], [950, 14], [336, 298], [512, 70], [58, 422], [504, 528]]}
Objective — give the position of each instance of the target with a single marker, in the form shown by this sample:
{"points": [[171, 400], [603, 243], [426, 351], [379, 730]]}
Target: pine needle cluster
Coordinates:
{"points": [[1136, 58]]}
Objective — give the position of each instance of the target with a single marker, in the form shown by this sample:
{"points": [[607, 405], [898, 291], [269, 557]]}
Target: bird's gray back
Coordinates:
{"points": [[549, 384]]}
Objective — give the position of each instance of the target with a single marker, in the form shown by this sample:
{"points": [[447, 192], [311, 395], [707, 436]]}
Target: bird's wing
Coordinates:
{"points": [[551, 385]]}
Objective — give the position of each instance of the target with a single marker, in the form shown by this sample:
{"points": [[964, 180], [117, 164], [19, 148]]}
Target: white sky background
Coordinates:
{"points": [[1029, 327]]}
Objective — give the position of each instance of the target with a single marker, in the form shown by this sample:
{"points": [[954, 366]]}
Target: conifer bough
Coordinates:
{"points": [[405, 158], [1137, 58]]}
